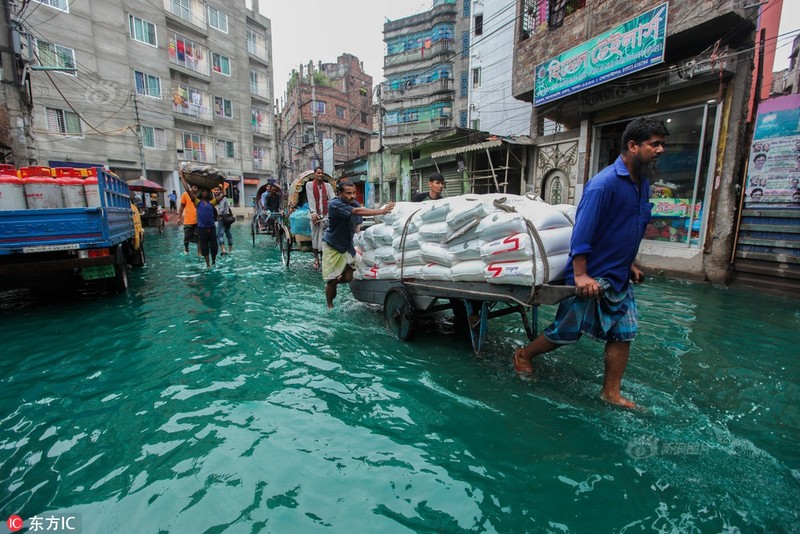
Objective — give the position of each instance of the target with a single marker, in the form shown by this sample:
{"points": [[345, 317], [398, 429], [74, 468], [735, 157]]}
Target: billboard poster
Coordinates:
{"points": [[773, 170], [630, 47]]}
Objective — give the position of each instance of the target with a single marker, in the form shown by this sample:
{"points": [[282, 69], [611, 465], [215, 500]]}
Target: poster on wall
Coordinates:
{"points": [[773, 171]]}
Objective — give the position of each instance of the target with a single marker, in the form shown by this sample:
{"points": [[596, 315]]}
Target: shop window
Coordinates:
{"points": [[678, 186]]}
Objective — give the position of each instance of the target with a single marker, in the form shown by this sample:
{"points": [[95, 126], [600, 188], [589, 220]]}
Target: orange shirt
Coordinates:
{"points": [[189, 209]]}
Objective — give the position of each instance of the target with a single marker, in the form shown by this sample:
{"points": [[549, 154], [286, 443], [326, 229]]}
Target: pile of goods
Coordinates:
{"points": [[203, 176], [495, 238]]}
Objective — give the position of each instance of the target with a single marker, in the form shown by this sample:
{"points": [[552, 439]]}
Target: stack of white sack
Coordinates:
{"points": [[494, 238]]}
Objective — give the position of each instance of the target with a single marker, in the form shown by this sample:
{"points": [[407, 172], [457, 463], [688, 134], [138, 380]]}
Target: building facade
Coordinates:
{"points": [[185, 80], [326, 117], [594, 66], [426, 71], [492, 108]]}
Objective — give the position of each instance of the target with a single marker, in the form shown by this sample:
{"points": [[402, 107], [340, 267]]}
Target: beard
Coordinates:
{"points": [[645, 169]]}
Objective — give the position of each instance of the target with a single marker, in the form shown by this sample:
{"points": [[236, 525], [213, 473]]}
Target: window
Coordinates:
{"points": [[221, 64], [53, 55], [63, 5], [478, 25], [341, 140], [476, 124], [194, 146], [154, 137], [362, 143], [464, 84], [142, 31], [476, 77], [188, 54], [364, 117], [223, 107], [256, 43], [465, 7], [560, 9], [147, 84], [465, 44], [319, 107], [462, 119], [217, 19], [225, 149], [61, 121], [340, 111]]}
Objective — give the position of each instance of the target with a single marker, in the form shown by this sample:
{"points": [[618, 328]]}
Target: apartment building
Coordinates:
{"points": [[326, 116], [148, 84]]}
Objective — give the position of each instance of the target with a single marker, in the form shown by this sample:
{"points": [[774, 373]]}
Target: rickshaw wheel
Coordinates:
{"points": [[285, 244], [399, 313]]}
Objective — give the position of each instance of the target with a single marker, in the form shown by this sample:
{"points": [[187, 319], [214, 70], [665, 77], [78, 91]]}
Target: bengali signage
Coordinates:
{"points": [[633, 46]]}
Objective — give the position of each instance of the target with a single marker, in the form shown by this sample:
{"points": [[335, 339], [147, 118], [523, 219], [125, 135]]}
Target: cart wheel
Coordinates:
{"points": [[253, 228], [399, 313], [286, 247]]}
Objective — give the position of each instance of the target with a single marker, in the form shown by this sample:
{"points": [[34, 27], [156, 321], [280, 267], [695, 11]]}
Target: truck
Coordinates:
{"points": [[94, 244]]}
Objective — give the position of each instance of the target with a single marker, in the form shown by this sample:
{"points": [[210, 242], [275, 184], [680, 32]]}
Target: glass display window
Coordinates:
{"points": [[679, 184]]}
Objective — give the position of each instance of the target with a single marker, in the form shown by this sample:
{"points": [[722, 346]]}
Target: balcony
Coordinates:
{"points": [[257, 45], [186, 53], [195, 147], [419, 91], [443, 46], [190, 11], [439, 123], [261, 123], [191, 102]]}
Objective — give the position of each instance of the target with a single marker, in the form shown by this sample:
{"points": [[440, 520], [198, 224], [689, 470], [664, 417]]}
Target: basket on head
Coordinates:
{"points": [[203, 176]]}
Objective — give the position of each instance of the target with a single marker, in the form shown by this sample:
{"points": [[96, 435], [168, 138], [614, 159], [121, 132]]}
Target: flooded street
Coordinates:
{"points": [[232, 400]]}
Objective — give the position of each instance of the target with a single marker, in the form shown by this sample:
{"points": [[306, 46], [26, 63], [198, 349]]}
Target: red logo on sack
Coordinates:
{"points": [[14, 523]]}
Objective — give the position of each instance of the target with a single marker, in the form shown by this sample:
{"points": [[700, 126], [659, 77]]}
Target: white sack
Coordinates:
{"points": [[367, 258], [412, 242], [517, 247], [380, 234], [433, 271], [501, 224], [435, 211], [467, 210], [434, 232], [411, 257], [525, 273], [437, 253], [468, 271], [402, 210], [384, 254], [568, 210], [411, 271], [556, 240], [467, 250]]}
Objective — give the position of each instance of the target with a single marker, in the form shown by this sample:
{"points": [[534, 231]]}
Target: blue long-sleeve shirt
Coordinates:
{"points": [[610, 223]]}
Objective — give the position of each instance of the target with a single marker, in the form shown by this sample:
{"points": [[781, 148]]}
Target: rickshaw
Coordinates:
{"points": [[151, 216], [271, 226], [288, 241]]}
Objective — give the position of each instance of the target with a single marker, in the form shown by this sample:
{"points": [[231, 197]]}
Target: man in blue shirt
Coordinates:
{"points": [[338, 253], [609, 225]]}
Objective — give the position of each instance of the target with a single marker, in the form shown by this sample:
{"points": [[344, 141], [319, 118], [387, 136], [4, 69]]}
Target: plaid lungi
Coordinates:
{"points": [[611, 317]]}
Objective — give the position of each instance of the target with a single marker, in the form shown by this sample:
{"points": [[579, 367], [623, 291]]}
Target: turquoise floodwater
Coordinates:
{"points": [[232, 400]]}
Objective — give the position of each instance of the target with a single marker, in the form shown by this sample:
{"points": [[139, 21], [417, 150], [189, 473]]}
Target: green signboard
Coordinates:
{"points": [[634, 45]]}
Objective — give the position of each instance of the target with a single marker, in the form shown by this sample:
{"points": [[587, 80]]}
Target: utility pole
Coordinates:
{"points": [[380, 144], [139, 136], [15, 114], [314, 109]]}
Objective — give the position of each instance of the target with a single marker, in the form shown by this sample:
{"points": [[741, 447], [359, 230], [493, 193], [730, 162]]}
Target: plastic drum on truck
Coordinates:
{"points": [[41, 190], [91, 188], [12, 189], [71, 183]]}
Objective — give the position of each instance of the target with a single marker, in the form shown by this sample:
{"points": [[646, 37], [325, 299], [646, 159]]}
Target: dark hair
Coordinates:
{"points": [[343, 184], [318, 168], [759, 155], [756, 189], [641, 129], [436, 177]]}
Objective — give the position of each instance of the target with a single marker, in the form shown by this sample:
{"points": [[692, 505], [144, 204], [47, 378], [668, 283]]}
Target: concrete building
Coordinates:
{"points": [[326, 117], [594, 66], [426, 68], [492, 107], [155, 83]]}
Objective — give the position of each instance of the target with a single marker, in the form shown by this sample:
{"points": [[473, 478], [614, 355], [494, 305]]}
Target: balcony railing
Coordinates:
{"points": [[438, 123], [188, 54], [259, 89], [192, 11], [191, 102], [426, 89], [443, 46]]}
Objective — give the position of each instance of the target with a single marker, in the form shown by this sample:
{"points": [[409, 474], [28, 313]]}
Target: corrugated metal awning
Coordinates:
{"points": [[468, 148]]}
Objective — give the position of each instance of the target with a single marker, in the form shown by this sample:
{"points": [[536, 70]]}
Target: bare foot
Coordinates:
{"points": [[522, 363], [619, 400]]}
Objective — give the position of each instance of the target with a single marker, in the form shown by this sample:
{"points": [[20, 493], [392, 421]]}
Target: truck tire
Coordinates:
{"points": [[135, 257], [119, 284]]}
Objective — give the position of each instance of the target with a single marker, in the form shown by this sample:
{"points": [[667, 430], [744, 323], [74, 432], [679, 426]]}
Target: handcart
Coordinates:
{"points": [[474, 302], [288, 241], [153, 217]]}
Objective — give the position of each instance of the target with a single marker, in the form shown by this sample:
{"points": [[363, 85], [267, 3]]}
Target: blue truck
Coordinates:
{"points": [[45, 247]]}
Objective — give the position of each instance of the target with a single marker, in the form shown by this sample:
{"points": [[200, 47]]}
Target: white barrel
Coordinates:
{"points": [[72, 192], [12, 193], [43, 193], [92, 191]]}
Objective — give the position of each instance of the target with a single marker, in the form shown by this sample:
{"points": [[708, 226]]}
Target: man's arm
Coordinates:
{"points": [[187, 188], [585, 285], [180, 213], [637, 276], [369, 211]]}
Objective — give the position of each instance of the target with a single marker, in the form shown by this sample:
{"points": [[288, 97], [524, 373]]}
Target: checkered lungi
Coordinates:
{"points": [[611, 317]]}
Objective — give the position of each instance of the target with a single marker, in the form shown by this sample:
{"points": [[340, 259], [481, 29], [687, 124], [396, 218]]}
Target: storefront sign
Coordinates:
{"points": [[633, 46], [673, 207]]}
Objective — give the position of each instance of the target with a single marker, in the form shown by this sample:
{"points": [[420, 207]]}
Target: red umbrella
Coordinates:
{"points": [[147, 186]]}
